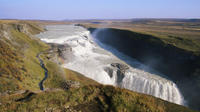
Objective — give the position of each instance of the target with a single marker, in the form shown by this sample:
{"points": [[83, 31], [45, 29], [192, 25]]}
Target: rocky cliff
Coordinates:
{"points": [[180, 65], [65, 90]]}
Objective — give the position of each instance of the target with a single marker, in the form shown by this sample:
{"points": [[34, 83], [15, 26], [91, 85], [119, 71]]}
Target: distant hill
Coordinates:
{"points": [[164, 20]]}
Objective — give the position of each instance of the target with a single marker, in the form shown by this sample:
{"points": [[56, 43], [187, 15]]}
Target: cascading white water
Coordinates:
{"points": [[164, 89], [91, 60]]}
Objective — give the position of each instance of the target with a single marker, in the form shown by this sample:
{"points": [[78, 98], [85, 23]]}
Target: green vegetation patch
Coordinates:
{"points": [[20, 69], [89, 98]]}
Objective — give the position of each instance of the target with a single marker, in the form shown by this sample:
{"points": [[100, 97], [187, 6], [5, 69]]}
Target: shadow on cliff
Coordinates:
{"points": [[177, 64]]}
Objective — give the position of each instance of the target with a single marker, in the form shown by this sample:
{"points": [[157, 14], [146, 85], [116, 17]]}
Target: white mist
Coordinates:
{"points": [[91, 60]]}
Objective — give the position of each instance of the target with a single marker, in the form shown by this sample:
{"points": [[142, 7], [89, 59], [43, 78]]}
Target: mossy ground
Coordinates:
{"points": [[90, 99], [20, 69]]}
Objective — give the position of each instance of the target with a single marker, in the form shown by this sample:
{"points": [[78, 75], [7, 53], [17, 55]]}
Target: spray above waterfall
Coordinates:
{"points": [[93, 59]]}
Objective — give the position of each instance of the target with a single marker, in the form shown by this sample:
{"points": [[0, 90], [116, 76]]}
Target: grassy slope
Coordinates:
{"points": [[19, 66], [184, 35], [57, 75], [179, 36], [91, 98], [20, 69]]}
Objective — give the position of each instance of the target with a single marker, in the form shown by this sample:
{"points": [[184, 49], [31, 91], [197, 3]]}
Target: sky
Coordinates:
{"points": [[98, 9]]}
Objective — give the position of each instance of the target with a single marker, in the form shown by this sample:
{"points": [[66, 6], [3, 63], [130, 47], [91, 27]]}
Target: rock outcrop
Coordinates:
{"points": [[118, 70], [63, 51], [180, 65]]}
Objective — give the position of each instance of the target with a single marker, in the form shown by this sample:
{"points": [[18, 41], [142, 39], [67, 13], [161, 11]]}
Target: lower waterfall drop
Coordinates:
{"points": [[91, 60]]}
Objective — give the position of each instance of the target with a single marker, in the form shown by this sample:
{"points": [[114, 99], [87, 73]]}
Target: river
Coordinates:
{"points": [[106, 65]]}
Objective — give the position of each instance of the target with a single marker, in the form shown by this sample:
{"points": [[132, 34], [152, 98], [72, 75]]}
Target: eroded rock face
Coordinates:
{"points": [[121, 67], [63, 50], [22, 28], [109, 71], [94, 62], [118, 70], [5, 31]]}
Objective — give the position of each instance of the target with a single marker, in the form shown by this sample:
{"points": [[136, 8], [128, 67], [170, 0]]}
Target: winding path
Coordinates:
{"points": [[45, 71]]}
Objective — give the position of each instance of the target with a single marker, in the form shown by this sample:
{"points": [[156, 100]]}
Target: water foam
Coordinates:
{"points": [[91, 60]]}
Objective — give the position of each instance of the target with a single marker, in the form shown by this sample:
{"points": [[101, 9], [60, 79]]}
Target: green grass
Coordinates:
{"points": [[20, 69], [58, 75], [55, 75], [84, 81], [90, 99], [172, 48], [184, 35]]}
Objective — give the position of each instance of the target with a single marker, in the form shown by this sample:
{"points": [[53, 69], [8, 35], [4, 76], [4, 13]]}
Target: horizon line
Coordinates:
{"points": [[92, 19]]}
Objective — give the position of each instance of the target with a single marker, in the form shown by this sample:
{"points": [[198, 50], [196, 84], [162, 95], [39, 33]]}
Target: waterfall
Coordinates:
{"points": [[103, 66], [161, 88]]}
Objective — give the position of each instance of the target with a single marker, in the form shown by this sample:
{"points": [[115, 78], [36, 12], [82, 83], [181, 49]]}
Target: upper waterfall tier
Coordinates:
{"points": [[88, 58]]}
